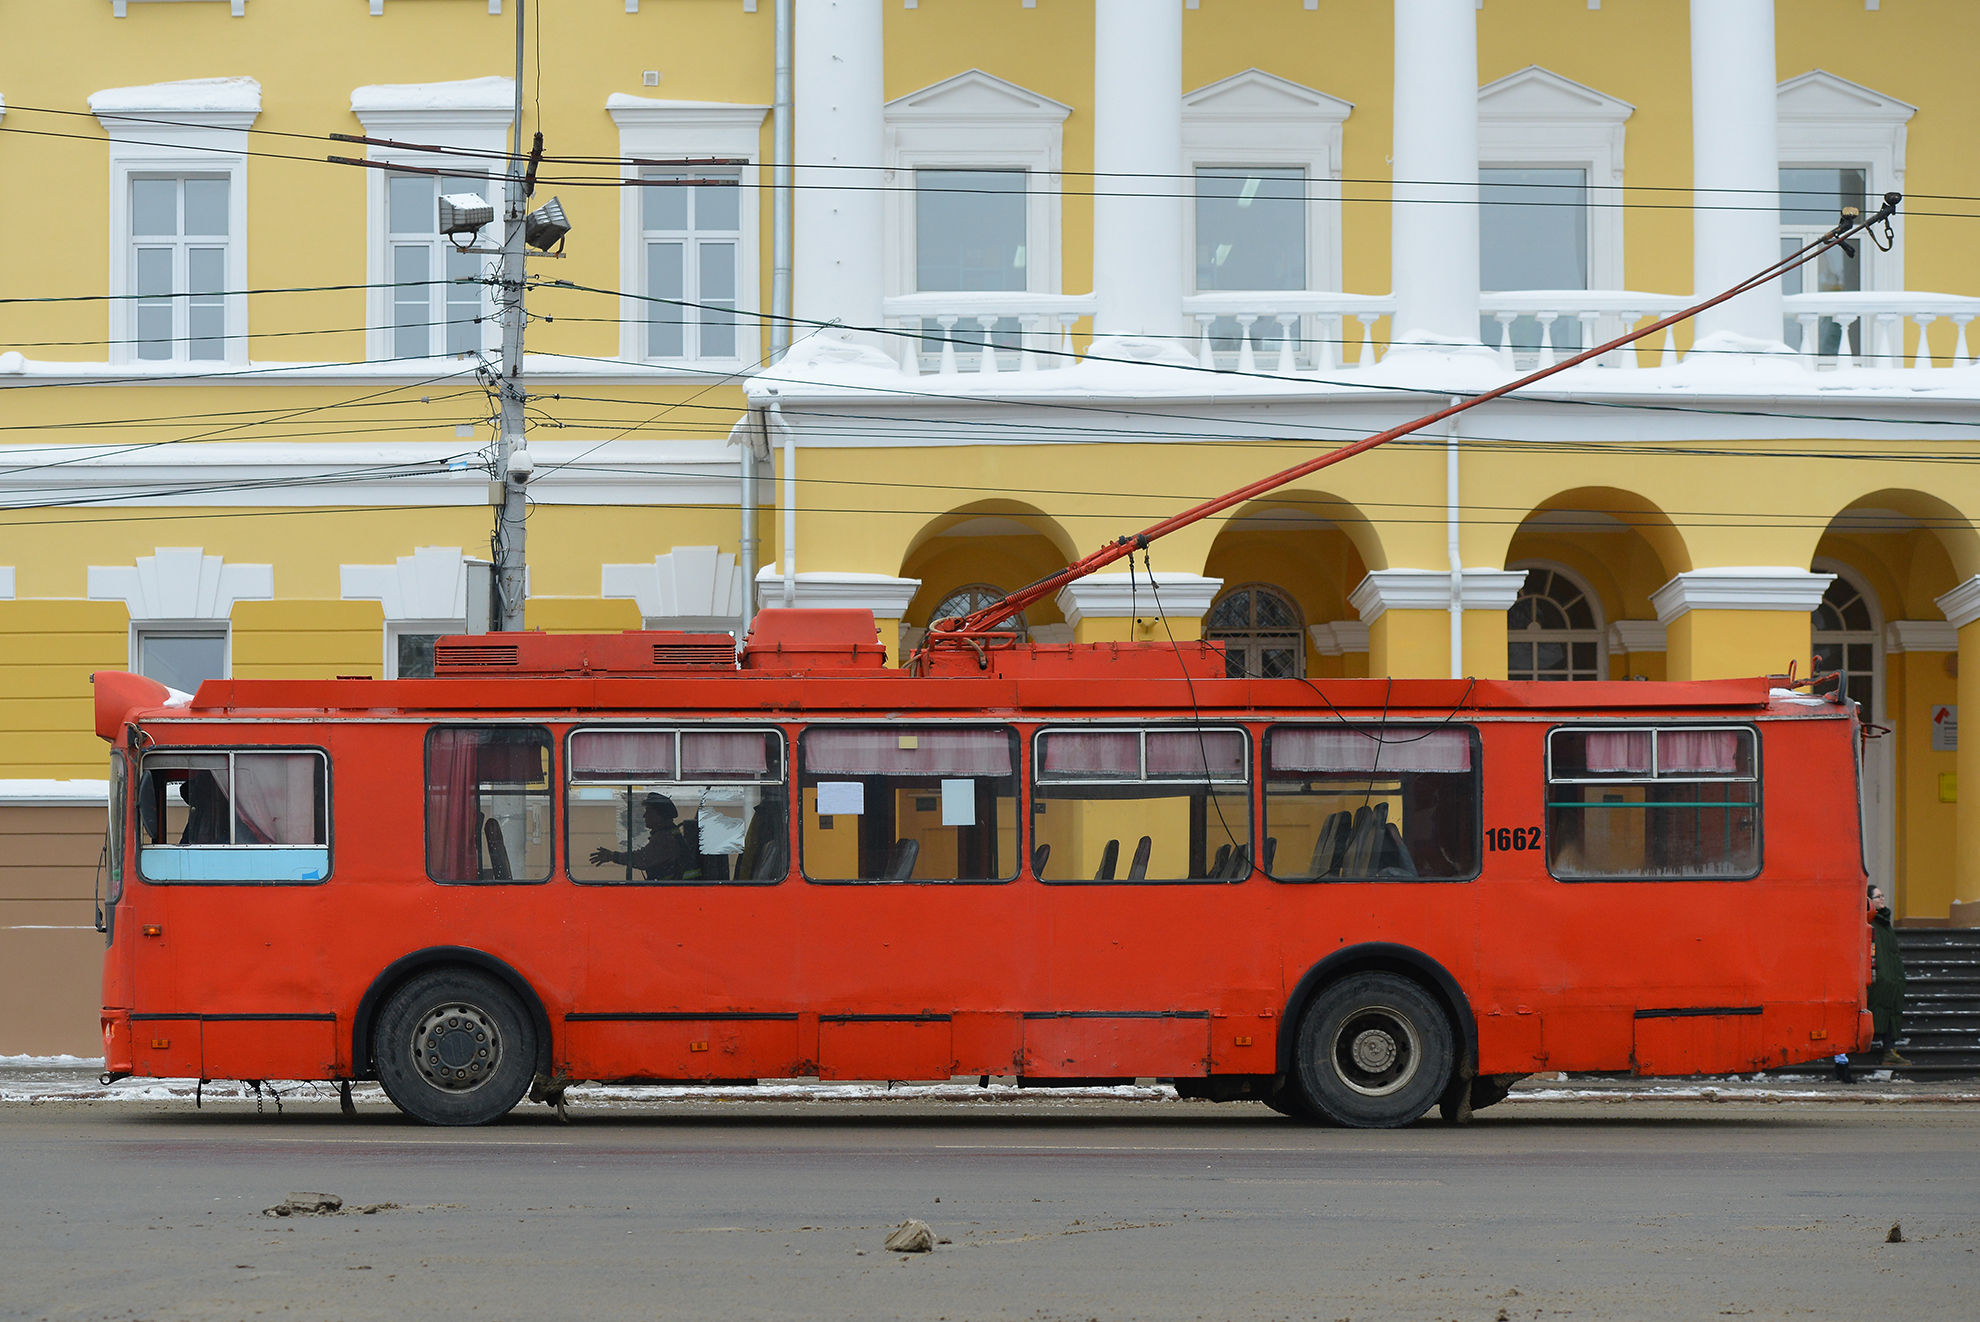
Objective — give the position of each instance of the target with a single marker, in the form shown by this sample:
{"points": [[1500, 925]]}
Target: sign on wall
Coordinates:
{"points": [[1945, 729]]}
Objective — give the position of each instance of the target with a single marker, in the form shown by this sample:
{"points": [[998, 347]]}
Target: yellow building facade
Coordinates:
{"points": [[248, 406]]}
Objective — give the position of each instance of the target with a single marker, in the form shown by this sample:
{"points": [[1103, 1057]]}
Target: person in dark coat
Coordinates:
{"points": [[1886, 979], [666, 855]]}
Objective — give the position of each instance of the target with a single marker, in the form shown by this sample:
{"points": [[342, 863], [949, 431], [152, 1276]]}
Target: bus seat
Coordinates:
{"points": [[1222, 861], [1109, 856], [1396, 861], [900, 865], [773, 861], [1331, 845], [1365, 844], [498, 851], [1138, 866], [1240, 865], [1039, 857]]}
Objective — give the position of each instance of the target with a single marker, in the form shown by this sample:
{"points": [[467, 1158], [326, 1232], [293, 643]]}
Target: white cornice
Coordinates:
{"points": [[55, 793], [1430, 589], [1962, 604], [1113, 597], [1635, 636], [1740, 588], [887, 597], [1338, 636], [170, 114], [694, 582], [1921, 636], [429, 584], [181, 583]]}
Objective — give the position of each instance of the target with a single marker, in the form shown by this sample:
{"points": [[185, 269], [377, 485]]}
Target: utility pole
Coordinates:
{"points": [[512, 461]]}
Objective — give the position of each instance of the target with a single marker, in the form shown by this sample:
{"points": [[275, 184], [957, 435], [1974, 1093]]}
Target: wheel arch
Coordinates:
{"points": [[407, 967], [1382, 957]]}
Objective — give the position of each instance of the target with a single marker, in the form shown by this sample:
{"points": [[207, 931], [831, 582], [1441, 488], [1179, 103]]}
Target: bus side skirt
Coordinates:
{"points": [[1389, 957], [405, 967]]}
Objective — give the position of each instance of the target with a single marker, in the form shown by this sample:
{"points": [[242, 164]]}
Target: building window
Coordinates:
{"points": [[1261, 631], [970, 234], [1846, 641], [181, 659], [1552, 631], [409, 646], [179, 233], [693, 236], [965, 601], [431, 313], [1812, 201], [1250, 234], [1532, 234]]}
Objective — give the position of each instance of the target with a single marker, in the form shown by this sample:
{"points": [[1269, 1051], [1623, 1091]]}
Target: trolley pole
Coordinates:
{"points": [[512, 462]]}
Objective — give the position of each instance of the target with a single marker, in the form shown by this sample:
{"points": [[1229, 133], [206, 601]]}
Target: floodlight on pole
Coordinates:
{"points": [[462, 216], [545, 227]]}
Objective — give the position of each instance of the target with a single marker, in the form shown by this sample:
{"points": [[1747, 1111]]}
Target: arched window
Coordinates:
{"points": [[1846, 639], [1552, 631], [975, 597], [1261, 631]]}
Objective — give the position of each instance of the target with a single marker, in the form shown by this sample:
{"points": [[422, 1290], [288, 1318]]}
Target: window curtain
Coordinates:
{"points": [[275, 799], [452, 814], [1371, 749], [1697, 752], [724, 753], [616, 754], [879, 753], [1612, 752], [1111, 753], [1218, 754]]}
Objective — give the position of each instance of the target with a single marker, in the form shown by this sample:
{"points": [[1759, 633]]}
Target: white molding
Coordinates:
{"points": [[1920, 636], [54, 793], [1826, 120], [1260, 119], [1338, 637], [6, 582], [688, 582], [181, 583], [1535, 117], [1740, 588], [429, 584], [1115, 597], [666, 130], [886, 596], [120, 8], [977, 121], [1430, 589], [1962, 604], [194, 126], [472, 114], [1633, 636]]}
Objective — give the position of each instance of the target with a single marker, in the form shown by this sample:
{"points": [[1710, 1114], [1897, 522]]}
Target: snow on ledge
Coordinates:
{"points": [[491, 93], [188, 96], [54, 793]]}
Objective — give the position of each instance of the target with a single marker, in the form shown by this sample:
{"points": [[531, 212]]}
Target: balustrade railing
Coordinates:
{"points": [[1866, 329], [987, 332]]}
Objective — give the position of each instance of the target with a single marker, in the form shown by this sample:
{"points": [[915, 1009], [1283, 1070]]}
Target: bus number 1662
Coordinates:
{"points": [[1512, 837]]}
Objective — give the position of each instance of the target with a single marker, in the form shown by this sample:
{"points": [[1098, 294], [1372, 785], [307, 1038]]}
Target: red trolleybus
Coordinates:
{"points": [[634, 857]]}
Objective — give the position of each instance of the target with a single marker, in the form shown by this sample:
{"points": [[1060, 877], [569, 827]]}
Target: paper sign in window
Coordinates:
{"points": [[841, 796], [959, 803]]}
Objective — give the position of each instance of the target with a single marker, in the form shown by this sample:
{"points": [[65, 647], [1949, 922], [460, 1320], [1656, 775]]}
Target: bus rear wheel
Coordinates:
{"points": [[454, 1047], [1374, 1051]]}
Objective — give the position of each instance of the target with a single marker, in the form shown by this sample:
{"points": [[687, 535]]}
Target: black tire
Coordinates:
{"points": [[1288, 1102], [1374, 1051], [454, 1047]]}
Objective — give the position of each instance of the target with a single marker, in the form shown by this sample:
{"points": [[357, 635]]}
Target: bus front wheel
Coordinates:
{"points": [[455, 1047], [1374, 1051]]}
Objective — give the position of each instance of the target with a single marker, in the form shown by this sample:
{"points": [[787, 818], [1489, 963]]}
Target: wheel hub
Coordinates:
{"points": [[1376, 1051], [457, 1047]]}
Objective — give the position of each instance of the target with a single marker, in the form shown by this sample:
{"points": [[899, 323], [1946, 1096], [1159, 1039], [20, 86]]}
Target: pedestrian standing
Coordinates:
{"points": [[1886, 980]]}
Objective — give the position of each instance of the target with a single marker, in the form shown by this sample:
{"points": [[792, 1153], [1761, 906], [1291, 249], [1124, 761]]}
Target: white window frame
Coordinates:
{"points": [[1826, 122], [975, 121], [142, 629], [178, 129], [1588, 594], [655, 130], [393, 628], [691, 292], [1262, 121], [474, 115], [1536, 119]]}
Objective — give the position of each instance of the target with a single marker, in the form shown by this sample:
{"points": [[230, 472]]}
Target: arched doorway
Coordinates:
{"points": [[975, 597], [1846, 638], [1554, 629], [1261, 630]]}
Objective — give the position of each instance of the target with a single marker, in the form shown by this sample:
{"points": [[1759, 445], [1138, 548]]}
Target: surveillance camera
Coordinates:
{"points": [[520, 464]]}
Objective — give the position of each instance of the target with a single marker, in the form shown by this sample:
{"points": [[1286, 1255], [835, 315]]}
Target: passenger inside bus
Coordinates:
{"points": [[655, 804], [667, 855]]}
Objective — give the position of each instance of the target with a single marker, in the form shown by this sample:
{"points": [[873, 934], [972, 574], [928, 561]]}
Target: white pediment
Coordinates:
{"points": [[977, 94], [1255, 94], [1535, 93], [1819, 94]]}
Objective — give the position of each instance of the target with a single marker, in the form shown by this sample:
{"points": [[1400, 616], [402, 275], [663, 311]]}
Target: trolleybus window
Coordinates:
{"points": [[1653, 804], [909, 803], [658, 805], [488, 803], [1141, 805], [221, 816], [1372, 803]]}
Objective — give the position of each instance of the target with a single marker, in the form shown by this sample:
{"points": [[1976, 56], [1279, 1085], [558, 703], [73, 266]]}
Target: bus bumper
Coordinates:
{"points": [[117, 1042]]}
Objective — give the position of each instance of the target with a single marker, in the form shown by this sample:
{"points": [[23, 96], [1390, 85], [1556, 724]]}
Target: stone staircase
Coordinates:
{"points": [[1941, 1005]]}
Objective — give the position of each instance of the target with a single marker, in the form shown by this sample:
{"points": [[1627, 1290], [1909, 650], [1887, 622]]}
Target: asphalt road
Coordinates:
{"points": [[1051, 1209]]}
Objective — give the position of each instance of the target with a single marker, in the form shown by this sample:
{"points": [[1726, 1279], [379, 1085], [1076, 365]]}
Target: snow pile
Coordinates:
{"points": [[188, 96]]}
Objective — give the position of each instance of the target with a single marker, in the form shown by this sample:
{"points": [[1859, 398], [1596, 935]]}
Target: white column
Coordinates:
{"points": [[1734, 146], [838, 89], [1433, 235], [1137, 148]]}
